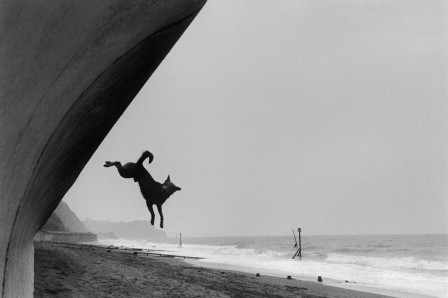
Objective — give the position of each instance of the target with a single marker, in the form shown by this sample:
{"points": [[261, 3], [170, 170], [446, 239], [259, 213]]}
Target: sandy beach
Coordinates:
{"points": [[82, 271]]}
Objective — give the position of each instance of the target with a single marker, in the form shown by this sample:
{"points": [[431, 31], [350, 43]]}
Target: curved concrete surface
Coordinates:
{"points": [[68, 70]]}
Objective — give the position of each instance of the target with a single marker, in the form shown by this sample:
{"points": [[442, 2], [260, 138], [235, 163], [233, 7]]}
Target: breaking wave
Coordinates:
{"points": [[393, 263]]}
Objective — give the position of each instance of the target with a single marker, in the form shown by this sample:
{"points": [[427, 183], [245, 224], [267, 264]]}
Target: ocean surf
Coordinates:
{"points": [[398, 265]]}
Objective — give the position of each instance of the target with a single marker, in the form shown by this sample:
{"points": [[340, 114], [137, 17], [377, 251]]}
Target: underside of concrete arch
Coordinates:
{"points": [[68, 70]]}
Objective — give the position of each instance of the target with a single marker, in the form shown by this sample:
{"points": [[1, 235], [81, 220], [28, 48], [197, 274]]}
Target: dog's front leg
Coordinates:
{"points": [[159, 207], [149, 205]]}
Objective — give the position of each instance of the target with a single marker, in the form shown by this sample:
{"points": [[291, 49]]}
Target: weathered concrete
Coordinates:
{"points": [[68, 70]]}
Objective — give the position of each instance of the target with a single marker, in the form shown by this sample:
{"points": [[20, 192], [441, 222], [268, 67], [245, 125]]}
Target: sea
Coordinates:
{"points": [[395, 265]]}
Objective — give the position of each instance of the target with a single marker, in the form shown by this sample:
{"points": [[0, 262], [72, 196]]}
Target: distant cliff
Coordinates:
{"points": [[139, 229], [64, 226], [64, 219], [54, 223]]}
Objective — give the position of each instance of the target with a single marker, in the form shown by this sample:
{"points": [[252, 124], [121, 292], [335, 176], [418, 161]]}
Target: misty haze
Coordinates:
{"points": [[229, 148]]}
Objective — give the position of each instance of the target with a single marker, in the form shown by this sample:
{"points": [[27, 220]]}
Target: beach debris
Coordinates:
{"points": [[289, 277], [319, 278], [257, 275]]}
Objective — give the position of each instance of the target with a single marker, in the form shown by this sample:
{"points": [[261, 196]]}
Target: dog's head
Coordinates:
{"points": [[169, 187]]}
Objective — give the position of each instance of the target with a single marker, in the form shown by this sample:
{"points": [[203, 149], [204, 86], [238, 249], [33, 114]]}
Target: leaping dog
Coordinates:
{"points": [[153, 192]]}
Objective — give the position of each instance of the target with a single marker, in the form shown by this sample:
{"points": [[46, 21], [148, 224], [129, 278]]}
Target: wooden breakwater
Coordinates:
{"points": [[66, 237]]}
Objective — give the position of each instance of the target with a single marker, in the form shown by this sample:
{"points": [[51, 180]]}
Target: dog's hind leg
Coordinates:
{"points": [[149, 205], [159, 207]]}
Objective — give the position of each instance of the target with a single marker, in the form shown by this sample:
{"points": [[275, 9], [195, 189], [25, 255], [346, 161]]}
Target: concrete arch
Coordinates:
{"points": [[68, 71]]}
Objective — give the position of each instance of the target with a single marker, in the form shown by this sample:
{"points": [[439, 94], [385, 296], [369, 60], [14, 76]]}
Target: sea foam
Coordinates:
{"points": [[400, 264], [393, 263]]}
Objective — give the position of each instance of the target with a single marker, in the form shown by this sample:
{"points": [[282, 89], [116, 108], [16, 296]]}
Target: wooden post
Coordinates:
{"points": [[299, 251], [180, 240], [295, 239]]}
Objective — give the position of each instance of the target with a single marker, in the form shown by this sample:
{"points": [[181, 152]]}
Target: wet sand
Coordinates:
{"points": [[83, 271]]}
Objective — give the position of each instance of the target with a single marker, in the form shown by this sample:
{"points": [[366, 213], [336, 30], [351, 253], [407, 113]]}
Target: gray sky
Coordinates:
{"points": [[271, 115]]}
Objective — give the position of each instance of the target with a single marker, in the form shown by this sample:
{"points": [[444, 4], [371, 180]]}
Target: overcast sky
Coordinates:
{"points": [[271, 115]]}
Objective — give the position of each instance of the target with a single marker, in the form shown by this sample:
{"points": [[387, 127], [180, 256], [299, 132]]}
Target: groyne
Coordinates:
{"points": [[65, 237]]}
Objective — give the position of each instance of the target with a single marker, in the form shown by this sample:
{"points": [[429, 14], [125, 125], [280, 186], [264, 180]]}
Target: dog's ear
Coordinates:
{"points": [[168, 179]]}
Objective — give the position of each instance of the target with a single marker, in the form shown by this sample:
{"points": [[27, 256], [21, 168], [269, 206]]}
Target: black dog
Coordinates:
{"points": [[153, 192]]}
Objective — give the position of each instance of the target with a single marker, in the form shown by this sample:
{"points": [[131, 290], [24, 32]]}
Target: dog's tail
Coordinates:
{"points": [[146, 154]]}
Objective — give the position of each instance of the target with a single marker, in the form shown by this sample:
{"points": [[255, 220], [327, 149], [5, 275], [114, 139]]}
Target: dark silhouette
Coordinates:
{"points": [[133, 170], [153, 192]]}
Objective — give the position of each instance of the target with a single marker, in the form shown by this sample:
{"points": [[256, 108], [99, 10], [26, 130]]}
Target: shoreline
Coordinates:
{"points": [[329, 282], [95, 270], [335, 280]]}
